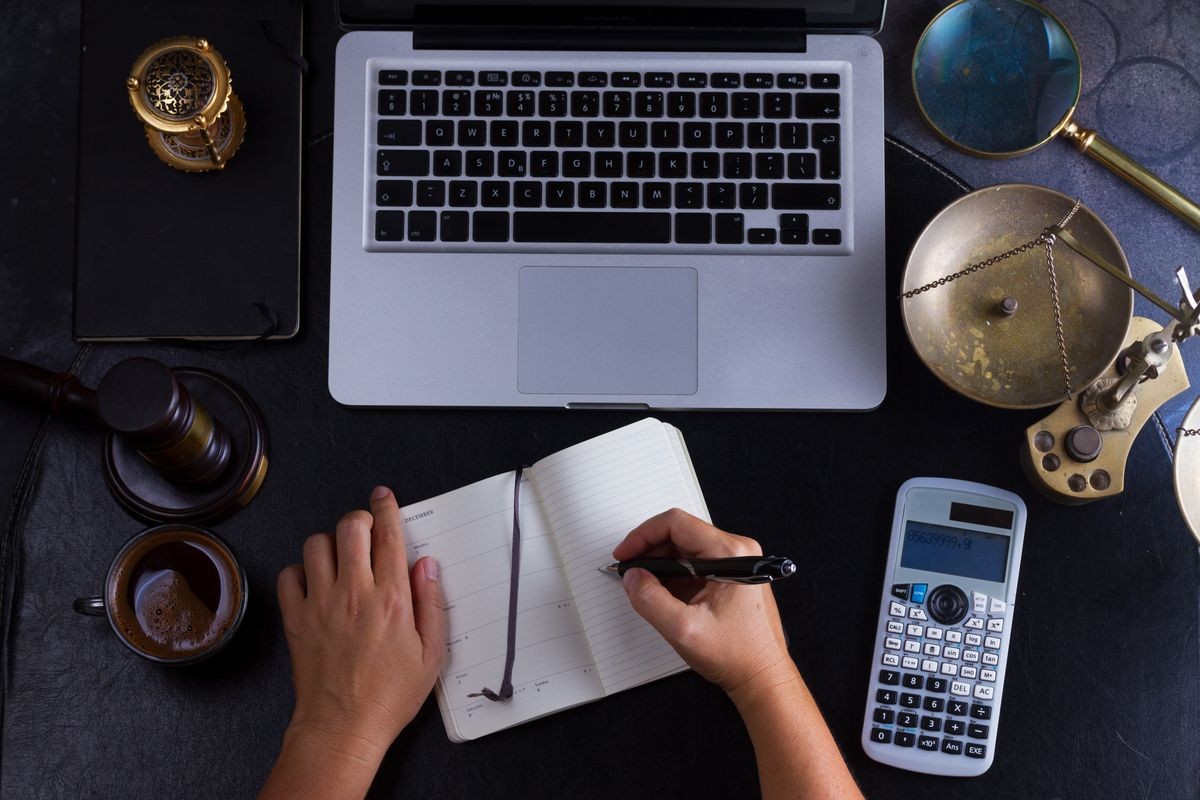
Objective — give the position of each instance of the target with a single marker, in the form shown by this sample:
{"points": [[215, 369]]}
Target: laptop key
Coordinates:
{"points": [[535, 133], [560, 194], [585, 104], [489, 103], [596, 79], [759, 80], [560, 78], [761, 135], [458, 77], [714, 105], [422, 226], [464, 194], [431, 193], [825, 80], [753, 195], [761, 236], [672, 165], [393, 102], [633, 134], [777, 105], [527, 194], [393, 77], [568, 134], [768, 165], [818, 105], [609, 164], [481, 163], [664, 134], [722, 195], [593, 194], [656, 195], [648, 104], [425, 103], [730, 228], [745, 105], [472, 133], [447, 163], [697, 134], [693, 80], [402, 162], [623, 194], [399, 132], [806, 196], [489, 226], [526, 78], [693, 228], [493, 78], [689, 195], [706, 165], [439, 133], [393, 193], [827, 236], [454, 226], [793, 135], [640, 165], [427, 77], [552, 104], [495, 194], [389, 226], [793, 237], [601, 134], [617, 104], [543, 164], [626, 79], [737, 165], [726, 80], [793, 80], [827, 139], [601, 227], [802, 166], [504, 133], [729, 135], [661, 79], [577, 164], [522, 103], [511, 164], [681, 104]]}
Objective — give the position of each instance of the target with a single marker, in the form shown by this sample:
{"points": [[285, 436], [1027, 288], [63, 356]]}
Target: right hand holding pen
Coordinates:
{"points": [[730, 634]]}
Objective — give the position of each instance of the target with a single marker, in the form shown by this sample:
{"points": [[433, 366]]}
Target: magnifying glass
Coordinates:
{"points": [[999, 78]]}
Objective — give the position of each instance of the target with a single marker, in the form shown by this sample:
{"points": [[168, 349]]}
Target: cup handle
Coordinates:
{"points": [[92, 606]]}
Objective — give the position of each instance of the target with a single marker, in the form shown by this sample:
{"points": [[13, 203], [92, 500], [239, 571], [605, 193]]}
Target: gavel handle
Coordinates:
{"points": [[57, 391]]}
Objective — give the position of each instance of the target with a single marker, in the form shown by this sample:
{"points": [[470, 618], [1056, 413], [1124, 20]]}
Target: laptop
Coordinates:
{"points": [[668, 204]]}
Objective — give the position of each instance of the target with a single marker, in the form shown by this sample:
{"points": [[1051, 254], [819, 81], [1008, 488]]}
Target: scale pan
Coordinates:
{"points": [[1187, 470], [1012, 361]]}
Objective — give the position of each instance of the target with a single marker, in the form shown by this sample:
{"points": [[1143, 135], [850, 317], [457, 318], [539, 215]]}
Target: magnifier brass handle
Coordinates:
{"points": [[1112, 157]]}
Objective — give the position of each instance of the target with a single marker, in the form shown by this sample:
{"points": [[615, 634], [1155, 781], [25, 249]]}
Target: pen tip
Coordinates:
{"points": [[611, 569]]}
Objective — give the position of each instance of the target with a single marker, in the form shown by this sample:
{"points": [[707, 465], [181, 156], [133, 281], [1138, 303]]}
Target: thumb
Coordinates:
{"points": [[651, 600], [429, 610]]}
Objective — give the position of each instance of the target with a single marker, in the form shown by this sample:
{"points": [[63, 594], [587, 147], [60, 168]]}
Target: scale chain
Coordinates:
{"points": [[1188, 431]]}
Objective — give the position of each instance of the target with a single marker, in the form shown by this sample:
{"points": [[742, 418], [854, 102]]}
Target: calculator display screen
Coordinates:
{"points": [[955, 551]]}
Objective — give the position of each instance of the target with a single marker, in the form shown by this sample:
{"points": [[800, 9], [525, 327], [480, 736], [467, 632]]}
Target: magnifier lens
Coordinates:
{"points": [[996, 76]]}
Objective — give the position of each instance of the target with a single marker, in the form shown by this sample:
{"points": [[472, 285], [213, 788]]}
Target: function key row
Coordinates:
{"points": [[949, 746], [592, 79]]}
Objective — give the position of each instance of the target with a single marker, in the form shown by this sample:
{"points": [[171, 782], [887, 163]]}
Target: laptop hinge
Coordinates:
{"points": [[599, 27]]}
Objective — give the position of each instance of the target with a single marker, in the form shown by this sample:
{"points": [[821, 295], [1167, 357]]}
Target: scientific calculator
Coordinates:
{"points": [[945, 622]]}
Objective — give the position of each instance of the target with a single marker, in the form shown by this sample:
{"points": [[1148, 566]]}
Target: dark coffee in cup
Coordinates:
{"points": [[174, 594]]}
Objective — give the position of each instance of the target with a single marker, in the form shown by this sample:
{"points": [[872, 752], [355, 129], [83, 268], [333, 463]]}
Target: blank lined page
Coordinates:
{"points": [[469, 532], [593, 494]]}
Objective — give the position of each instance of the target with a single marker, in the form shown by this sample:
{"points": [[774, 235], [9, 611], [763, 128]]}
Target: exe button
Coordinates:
{"points": [[900, 590], [918, 592]]}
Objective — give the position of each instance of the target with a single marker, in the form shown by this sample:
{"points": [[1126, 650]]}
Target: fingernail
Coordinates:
{"points": [[380, 492], [430, 568]]}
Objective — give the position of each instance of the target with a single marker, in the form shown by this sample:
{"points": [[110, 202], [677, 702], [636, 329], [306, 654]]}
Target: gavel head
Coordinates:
{"points": [[142, 401]]}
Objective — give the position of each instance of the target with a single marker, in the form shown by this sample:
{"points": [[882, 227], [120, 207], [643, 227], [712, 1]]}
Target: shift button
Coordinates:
{"points": [[900, 590]]}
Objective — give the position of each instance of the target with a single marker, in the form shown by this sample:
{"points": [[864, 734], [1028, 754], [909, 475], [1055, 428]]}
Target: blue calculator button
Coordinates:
{"points": [[918, 592]]}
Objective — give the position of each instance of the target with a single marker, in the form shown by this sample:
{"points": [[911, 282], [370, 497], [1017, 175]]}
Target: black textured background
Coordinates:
{"points": [[1102, 695]]}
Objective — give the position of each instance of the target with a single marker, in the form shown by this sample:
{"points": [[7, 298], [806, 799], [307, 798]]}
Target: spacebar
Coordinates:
{"points": [[583, 226]]}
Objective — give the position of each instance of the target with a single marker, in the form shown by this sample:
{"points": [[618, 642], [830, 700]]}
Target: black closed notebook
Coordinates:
{"points": [[162, 253]]}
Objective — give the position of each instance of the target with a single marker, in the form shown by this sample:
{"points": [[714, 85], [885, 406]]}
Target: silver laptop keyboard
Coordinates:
{"points": [[470, 160]]}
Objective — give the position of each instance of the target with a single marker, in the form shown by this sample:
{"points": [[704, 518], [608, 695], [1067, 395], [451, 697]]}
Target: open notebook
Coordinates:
{"points": [[578, 639]]}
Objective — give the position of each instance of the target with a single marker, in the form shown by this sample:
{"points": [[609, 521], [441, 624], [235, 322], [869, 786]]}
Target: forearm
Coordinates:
{"points": [[797, 756], [316, 764]]}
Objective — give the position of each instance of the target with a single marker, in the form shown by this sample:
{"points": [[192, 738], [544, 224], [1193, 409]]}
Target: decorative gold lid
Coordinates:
{"points": [[190, 152], [179, 84]]}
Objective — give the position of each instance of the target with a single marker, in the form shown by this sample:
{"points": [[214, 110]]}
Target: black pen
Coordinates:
{"points": [[741, 569]]}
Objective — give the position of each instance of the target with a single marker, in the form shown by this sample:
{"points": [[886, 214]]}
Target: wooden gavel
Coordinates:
{"points": [[149, 410]]}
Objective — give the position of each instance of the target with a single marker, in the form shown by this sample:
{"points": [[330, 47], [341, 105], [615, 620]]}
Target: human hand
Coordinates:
{"points": [[729, 634], [367, 638]]}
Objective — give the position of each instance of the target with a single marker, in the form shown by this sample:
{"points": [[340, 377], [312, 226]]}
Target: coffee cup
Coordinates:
{"points": [[174, 594]]}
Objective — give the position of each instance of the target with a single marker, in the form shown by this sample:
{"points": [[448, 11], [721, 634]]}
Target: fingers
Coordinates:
{"points": [[354, 547], [320, 570], [290, 588], [389, 561], [429, 610], [651, 600], [687, 534]]}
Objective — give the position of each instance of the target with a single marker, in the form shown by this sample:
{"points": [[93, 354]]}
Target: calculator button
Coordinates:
{"points": [[992, 642], [913, 681], [995, 625], [988, 675], [929, 665], [884, 716], [933, 649], [957, 707], [959, 688], [933, 633], [889, 677], [984, 692], [936, 685], [891, 643], [885, 697], [954, 636], [895, 626], [976, 750], [906, 719], [975, 623], [968, 672], [917, 613], [997, 606], [950, 652], [952, 746], [900, 590], [909, 662], [954, 727], [905, 739], [974, 639], [991, 659], [891, 660], [914, 700], [979, 602], [881, 735], [896, 609], [912, 646], [934, 704], [915, 630], [918, 592], [980, 711], [927, 742], [949, 669], [931, 724], [972, 655], [977, 731]]}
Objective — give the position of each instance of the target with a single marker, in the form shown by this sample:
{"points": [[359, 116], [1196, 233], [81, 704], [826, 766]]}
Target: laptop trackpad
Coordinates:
{"points": [[607, 330]]}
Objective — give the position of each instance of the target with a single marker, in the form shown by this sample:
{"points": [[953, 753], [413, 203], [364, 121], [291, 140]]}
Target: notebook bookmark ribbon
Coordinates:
{"points": [[506, 689]]}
